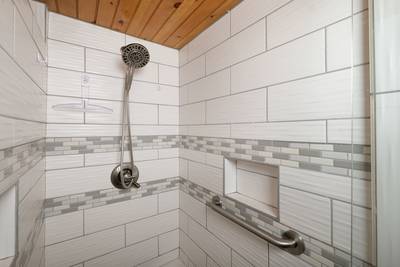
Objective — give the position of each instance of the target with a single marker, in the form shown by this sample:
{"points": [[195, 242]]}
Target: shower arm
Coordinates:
{"points": [[126, 118]]}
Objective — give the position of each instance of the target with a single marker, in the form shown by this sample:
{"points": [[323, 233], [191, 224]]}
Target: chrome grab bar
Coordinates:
{"points": [[290, 241]]}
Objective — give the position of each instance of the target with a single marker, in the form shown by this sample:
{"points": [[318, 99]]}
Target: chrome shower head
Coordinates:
{"points": [[135, 55]]}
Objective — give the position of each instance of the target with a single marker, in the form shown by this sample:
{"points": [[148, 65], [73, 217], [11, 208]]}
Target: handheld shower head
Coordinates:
{"points": [[135, 55]]}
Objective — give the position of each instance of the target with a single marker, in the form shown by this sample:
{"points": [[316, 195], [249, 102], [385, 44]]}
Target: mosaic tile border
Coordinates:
{"points": [[317, 252], [98, 198], [97, 144], [16, 161], [339, 159]]}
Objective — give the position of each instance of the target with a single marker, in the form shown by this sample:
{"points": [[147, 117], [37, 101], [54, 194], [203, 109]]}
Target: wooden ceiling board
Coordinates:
{"points": [[196, 18], [168, 22], [126, 10], [68, 7], [87, 10], [142, 16], [105, 12]]}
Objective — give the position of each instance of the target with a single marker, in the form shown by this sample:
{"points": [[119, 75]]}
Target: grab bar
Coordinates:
{"points": [[290, 241]]}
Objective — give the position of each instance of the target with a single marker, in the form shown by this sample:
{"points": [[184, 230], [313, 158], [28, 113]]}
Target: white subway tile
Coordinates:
{"points": [[192, 155], [155, 129], [193, 252], [294, 20], [214, 160], [251, 247], [346, 132], [339, 45], [280, 258], [80, 249], [25, 10], [232, 50], [69, 181], [166, 168], [119, 213], [362, 236], [248, 12], [152, 226], [105, 158], [192, 71], [65, 56], [209, 38], [192, 207], [64, 161], [168, 153], [361, 88], [168, 75], [168, 201], [26, 52], [104, 63], [244, 107], [105, 87], [281, 64], [163, 260], [154, 93], [128, 256], [168, 115], [65, 82], [7, 26], [239, 261], [20, 97], [63, 227], [184, 55], [85, 34], [206, 130], [215, 248], [325, 184], [183, 168], [306, 212], [308, 131], [361, 38], [341, 227], [76, 130], [211, 86], [192, 114], [168, 241], [362, 192], [28, 180], [206, 176]]}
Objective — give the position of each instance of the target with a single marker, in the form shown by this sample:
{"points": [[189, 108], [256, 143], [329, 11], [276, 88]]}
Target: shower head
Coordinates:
{"points": [[135, 55]]}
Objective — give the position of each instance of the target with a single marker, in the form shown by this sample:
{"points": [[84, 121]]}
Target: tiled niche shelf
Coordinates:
{"points": [[253, 184]]}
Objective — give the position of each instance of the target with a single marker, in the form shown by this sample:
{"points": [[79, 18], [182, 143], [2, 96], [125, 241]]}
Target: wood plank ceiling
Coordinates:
{"points": [[173, 23]]}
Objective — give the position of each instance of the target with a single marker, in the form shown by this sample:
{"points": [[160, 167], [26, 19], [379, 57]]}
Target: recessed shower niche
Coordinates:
{"points": [[253, 184]]}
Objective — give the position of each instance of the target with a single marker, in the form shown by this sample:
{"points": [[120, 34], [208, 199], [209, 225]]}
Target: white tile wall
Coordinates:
{"points": [[306, 212], [362, 233], [128, 256], [194, 253], [206, 176], [168, 115], [281, 64], [81, 33], [80, 249], [239, 261], [64, 82], [347, 131], [214, 35], [307, 131], [192, 114], [64, 227], [119, 213], [329, 185], [252, 248], [214, 85], [65, 56], [281, 29], [166, 168], [168, 201], [30, 178], [324, 96], [230, 109], [163, 260], [339, 45], [248, 12], [168, 75], [280, 258], [237, 48], [341, 227], [206, 130], [215, 248], [168, 241], [193, 70], [193, 207], [60, 116], [7, 26]]}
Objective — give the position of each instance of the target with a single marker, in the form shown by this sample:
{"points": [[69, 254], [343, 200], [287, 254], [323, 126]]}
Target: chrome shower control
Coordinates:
{"points": [[126, 179]]}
